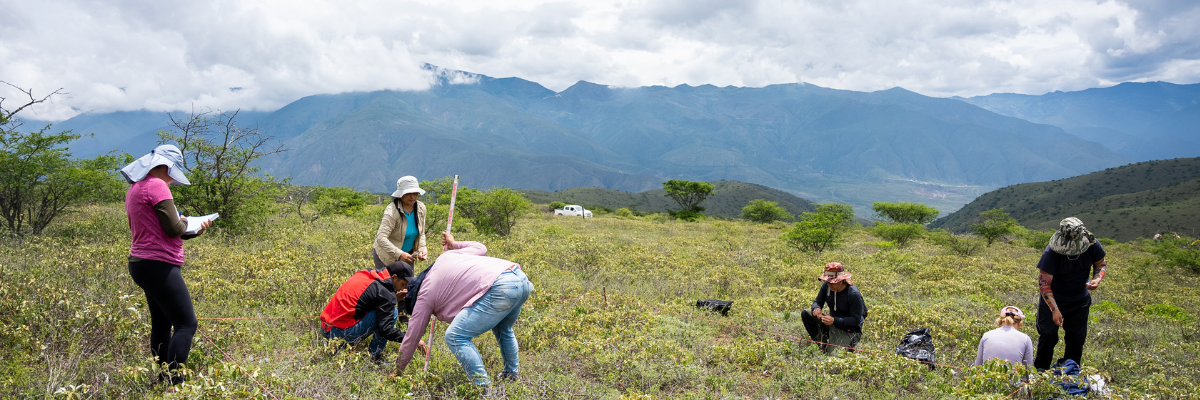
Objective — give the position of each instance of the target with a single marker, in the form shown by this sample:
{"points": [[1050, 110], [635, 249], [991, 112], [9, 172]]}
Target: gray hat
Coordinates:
{"points": [[407, 184], [1072, 238], [166, 154]]}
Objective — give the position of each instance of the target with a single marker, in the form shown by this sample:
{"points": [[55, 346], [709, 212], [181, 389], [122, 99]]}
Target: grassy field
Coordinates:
{"points": [[73, 324]]}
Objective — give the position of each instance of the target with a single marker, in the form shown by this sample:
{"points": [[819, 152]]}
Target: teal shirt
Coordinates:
{"points": [[410, 231]]}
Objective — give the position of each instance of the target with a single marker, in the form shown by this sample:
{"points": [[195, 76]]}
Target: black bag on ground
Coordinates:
{"points": [[720, 306], [918, 345]]}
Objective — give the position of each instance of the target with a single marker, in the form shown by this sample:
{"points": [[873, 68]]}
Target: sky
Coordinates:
{"points": [[260, 55]]}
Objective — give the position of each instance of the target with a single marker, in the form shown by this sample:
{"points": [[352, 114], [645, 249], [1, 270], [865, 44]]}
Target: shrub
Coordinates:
{"points": [[898, 232], [688, 195], [554, 205], [1170, 312], [993, 224], [1178, 252], [624, 212], [494, 211], [905, 213], [961, 245], [762, 211], [1032, 239], [338, 200], [820, 229]]}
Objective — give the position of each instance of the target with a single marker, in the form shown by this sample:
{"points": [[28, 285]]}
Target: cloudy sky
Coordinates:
{"points": [[162, 54]]}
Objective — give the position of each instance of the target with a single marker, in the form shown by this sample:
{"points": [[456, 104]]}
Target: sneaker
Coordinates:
{"points": [[507, 376], [380, 361]]}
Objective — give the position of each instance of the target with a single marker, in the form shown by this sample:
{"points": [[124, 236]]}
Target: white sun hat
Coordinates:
{"points": [[166, 154], [407, 184]]}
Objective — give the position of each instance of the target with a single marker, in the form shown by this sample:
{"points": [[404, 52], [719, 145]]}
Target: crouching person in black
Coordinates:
{"points": [[842, 326], [365, 305]]}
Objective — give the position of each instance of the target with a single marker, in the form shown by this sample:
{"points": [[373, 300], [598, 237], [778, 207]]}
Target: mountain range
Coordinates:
{"points": [[817, 143]]}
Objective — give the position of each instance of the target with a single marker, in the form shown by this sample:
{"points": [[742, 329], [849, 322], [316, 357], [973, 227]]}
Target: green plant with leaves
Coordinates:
{"points": [[993, 224], [762, 211], [494, 211], [1181, 252], [220, 157], [905, 212], [437, 191], [820, 229], [39, 180], [962, 245], [902, 234], [338, 200], [689, 195], [1033, 239], [554, 205]]}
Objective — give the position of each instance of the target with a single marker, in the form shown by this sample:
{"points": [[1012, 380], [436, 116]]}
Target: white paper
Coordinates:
{"points": [[195, 223]]}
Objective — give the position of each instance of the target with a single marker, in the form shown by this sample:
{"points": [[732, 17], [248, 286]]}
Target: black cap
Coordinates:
{"points": [[400, 269]]}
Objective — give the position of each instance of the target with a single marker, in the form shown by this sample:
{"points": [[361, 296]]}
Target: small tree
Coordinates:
{"points": [[38, 178], [688, 195], [993, 224], [760, 210], [338, 200], [554, 205], [897, 232], [494, 211], [437, 191], [298, 196], [820, 229], [221, 157], [905, 213]]}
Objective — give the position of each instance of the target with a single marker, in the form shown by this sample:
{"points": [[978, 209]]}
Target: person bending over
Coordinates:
{"points": [[842, 326], [365, 305], [475, 294]]}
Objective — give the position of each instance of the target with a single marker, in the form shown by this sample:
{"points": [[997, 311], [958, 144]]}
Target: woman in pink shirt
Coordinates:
{"points": [[156, 254], [474, 293]]}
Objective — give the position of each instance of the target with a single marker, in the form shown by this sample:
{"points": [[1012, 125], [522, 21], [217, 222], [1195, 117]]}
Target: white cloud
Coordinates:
{"points": [[122, 55]]}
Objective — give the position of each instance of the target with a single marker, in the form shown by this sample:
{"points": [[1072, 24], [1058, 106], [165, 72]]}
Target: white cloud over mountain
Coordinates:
{"points": [[123, 55]]}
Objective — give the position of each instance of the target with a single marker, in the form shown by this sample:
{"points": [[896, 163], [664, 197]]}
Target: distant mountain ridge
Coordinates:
{"points": [[817, 143], [1143, 121], [1123, 203]]}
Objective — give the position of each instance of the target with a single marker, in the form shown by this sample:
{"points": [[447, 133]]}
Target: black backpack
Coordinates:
{"points": [[414, 287]]}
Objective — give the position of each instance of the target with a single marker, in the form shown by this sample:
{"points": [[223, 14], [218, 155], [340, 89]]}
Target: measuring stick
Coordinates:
{"points": [[449, 223]]}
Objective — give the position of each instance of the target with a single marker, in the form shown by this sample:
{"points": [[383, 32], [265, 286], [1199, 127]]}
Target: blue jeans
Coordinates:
{"points": [[497, 311], [360, 331]]}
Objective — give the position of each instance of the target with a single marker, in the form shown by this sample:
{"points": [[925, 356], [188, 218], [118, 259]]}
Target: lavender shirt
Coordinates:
{"points": [[1007, 343], [459, 277]]}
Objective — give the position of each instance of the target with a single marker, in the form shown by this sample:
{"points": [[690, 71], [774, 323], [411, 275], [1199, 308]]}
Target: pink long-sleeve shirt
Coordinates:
{"points": [[459, 277]]}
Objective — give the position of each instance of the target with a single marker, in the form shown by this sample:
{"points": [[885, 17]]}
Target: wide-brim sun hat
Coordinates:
{"points": [[834, 273], [1071, 238], [407, 184], [166, 154]]}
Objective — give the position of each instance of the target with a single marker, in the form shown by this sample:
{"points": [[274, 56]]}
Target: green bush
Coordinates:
{"points": [[993, 224], [904, 212], [1178, 252], [897, 232], [820, 229], [762, 211], [961, 245], [624, 212], [338, 200], [494, 211], [1032, 239], [554, 205], [1169, 312]]}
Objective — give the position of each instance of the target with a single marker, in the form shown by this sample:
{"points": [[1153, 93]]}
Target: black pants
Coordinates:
{"points": [[170, 307], [1075, 320]]}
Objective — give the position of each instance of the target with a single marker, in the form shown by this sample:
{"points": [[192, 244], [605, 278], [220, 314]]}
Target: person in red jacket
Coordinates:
{"points": [[365, 305]]}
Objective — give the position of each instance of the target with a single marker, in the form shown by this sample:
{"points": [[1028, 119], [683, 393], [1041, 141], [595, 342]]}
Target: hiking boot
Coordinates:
{"points": [[507, 376], [380, 361]]}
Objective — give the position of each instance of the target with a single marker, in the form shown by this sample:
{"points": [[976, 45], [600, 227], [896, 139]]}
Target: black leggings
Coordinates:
{"points": [[170, 307]]}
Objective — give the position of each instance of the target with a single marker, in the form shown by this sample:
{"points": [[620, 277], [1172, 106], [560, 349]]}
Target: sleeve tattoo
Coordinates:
{"points": [[1099, 268], [1044, 280]]}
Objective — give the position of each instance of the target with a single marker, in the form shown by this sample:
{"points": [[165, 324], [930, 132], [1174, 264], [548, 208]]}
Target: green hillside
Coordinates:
{"points": [[1123, 203], [728, 198]]}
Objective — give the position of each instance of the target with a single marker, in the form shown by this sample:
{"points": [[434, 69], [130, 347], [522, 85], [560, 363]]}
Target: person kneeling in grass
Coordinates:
{"points": [[476, 294], [842, 327], [1006, 342], [365, 305]]}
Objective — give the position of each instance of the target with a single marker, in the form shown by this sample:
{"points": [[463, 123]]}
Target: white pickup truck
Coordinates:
{"points": [[573, 211]]}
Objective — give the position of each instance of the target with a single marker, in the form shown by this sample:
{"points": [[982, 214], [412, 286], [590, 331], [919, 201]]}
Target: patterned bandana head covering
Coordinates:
{"points": [[1072, 238]]}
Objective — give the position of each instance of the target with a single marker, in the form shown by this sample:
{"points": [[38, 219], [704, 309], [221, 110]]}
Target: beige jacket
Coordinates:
{"points": [[390, 235]]}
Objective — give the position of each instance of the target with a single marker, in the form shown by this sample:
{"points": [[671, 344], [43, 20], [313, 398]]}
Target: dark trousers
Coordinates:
{"points": [[170, 308], [819, 332], [1075, 320]]}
